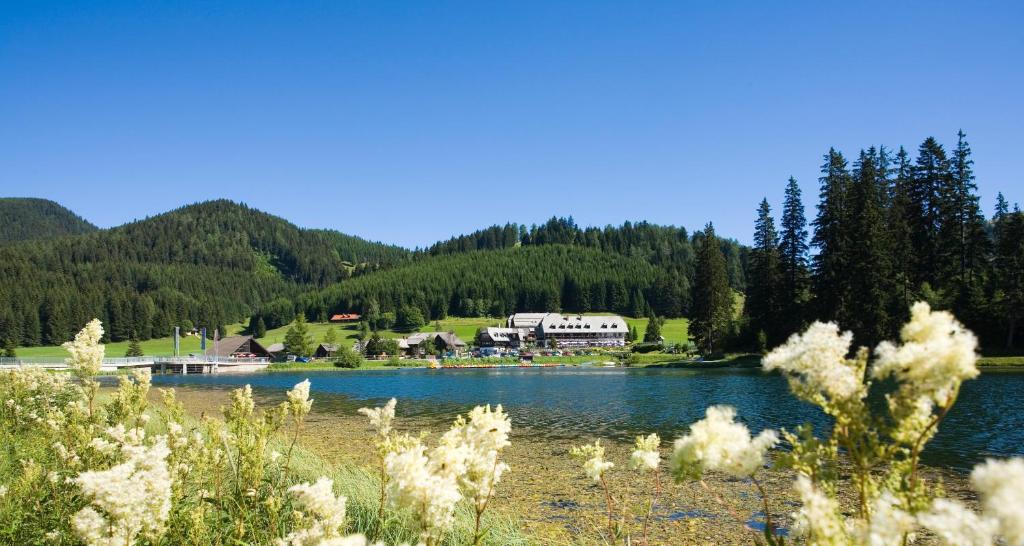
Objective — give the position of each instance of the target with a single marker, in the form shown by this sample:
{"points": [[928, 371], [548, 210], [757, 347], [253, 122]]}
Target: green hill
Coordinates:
{"points": [[209, 264], [24, 218]]}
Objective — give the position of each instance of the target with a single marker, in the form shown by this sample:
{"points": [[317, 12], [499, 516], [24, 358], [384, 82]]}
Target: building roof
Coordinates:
{"points": [[555, 323], [342, 317], [413, 340], [233, 344], [525, 320], [275, 347], [329, 347], [506, 334]]}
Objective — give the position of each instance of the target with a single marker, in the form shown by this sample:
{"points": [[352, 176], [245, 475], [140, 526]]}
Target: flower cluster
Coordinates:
{"points": [[474, 447], [815, 363], [299, 404], [427, 487], [1001, 484], [128, 500], [381, 418], [324, 514], [86, 350], [645, 454], [719, 443], [937, 354], [594, 463]]}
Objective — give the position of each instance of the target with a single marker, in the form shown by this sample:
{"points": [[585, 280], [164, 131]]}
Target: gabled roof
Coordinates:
{"points": [[555, 322], [345, 316], [232, 344], [330, 347]]}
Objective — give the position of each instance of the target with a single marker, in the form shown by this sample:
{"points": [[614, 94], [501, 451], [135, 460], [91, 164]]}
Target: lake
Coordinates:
{"points": [[620, 403]]}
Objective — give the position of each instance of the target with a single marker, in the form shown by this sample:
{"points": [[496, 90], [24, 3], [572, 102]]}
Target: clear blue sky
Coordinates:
{"points": [[412, 121]]}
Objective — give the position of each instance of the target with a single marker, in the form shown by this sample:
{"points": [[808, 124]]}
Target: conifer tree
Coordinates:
{"points": [[652, 334], [1009, 270], [134, 348], [964, 243], [261, 328], [712, 298], [331, 336], [831, 238], [930, 175], [9, 349], [763, 299], [793, 294], [899, 244], [296, 339], [868, 278]]}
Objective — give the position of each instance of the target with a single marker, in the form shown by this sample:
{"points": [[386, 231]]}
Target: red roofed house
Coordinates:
{"points": [[346, 317]]}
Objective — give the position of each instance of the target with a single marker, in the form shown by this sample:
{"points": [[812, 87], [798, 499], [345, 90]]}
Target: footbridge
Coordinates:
{"points": [[157, 364]]}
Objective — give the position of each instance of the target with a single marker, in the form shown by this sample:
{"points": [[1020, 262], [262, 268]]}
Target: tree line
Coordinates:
{"points": [[889, 230]]}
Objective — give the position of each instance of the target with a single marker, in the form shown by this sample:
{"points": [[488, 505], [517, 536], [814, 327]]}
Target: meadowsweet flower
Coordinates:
{"points": [[646, 455], [381, 418], [134, 498], [889, 523], [299, 403], [818, 519], [1001, 485], [815, 362], [325, 511], [592, 455], [86, 351], [472, 449], [719, 443], [955, 525], [937, 354], [431, 496], [3, 491]]}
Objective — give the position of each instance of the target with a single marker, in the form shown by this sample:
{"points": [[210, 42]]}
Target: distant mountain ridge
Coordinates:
{"points": [[28, 218], [220, 262]]}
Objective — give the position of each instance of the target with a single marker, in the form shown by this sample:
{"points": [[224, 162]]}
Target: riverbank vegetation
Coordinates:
{"points": [[79, 467]]}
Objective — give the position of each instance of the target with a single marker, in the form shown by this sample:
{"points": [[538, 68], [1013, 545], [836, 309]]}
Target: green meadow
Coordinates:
{"points": [[674, 330]]}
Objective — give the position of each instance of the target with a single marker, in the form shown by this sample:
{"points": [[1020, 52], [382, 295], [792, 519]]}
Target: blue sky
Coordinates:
{"points": [[409, 122]]}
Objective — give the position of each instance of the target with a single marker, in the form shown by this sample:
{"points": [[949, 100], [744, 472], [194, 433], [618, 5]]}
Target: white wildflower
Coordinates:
{"points": [[646, 454], [937, 354], [298, 400], [889, 523], [3, 491], [326, 511], [956, 525], [817, 521], [134, 497], [815, 362], [86, 352], [594, 464], [430, 496], [1001, 484], [274, 456], [472, 449], [381, 418], [719, 443]]}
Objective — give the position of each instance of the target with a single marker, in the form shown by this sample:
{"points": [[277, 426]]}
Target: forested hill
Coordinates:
{"points": [[211, 263], [26, 218]]}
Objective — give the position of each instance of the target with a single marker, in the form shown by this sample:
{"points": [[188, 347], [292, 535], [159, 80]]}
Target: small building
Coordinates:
{"points": [[346, 317], [573, 331], [237, 347], [442, 342], [506, 338], [326, 350], [276, 350]]}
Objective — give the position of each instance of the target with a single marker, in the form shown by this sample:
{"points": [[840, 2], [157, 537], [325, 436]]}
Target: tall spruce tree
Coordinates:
{"points": [[868, 279], [793, 293], [965, 245], [1009, 270], [763, 284], [297, 340], [899, 215], [831, 238], [712, 296], [930, 175]]}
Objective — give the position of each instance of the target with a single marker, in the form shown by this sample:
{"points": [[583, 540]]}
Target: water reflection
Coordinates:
{"points": [[568, 403]]}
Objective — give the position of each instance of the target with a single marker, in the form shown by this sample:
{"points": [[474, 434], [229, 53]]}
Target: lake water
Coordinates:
{"points": [[619, 403]]}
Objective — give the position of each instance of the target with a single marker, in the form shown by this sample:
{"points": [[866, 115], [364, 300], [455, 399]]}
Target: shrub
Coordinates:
{"points": [[347, 358]]}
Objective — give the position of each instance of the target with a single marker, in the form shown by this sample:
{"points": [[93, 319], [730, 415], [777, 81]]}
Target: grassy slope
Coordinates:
{"points": [[465, 327]]}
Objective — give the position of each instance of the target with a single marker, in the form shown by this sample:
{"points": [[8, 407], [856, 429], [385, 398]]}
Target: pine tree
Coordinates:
{"points": [[868, 278], [297, 340], [964, 244], [793, 294], [930, 175], [9, 349], [831, 238], [261, 328], [763, 298], [1009, 270], [712, 297], [652, 334], [134, 348], [900, 246], [331, 336]]}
